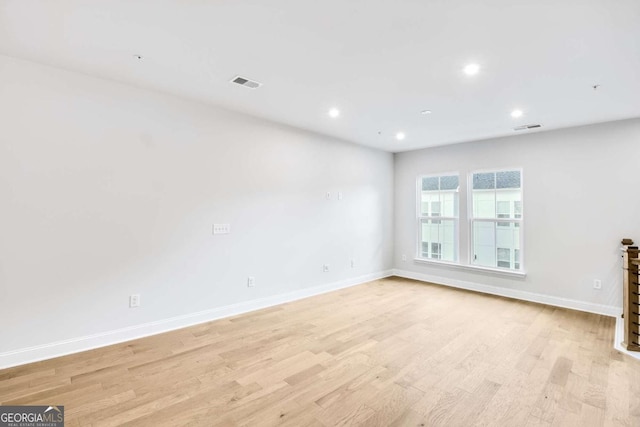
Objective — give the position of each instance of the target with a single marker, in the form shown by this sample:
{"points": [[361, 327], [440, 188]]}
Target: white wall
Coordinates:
{"points": [[580, 199], [108, 190]]}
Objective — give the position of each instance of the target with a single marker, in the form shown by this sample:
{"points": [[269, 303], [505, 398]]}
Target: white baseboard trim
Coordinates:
{"points": [[75, 345], [607, 310], [617, 342]]}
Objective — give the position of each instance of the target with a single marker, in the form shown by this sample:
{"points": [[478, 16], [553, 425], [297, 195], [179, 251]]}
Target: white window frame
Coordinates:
{"points": [[520, 221], [420, 218], [464, 234]]}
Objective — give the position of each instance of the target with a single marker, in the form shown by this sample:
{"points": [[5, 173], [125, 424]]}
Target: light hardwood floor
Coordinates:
{"points": [[393, 352]]}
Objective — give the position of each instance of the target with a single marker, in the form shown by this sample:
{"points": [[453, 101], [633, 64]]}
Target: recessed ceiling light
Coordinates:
{"points": [[334, 112], [471, 69], [138, 57], [425, 112], [516, 113], [400, 136]]}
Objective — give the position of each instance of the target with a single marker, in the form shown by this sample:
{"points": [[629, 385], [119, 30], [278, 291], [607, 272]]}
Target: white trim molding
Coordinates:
{"points": [[75, 345], [619, 337], [606, 310], [475, 268]]}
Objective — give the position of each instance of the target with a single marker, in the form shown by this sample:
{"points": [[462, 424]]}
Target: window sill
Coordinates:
{"points": [[475, 268]]}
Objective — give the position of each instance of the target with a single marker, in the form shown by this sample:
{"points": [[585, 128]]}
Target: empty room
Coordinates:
{"points": [[319, 213]]}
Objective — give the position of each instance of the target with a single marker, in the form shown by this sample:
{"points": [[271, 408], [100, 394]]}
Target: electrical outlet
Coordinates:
{"points": [[404, 258], [353, 263], [134, 301], [325, 268], [251, 281], [597, 284], [221, 228], [328, 195], [339, 195]]}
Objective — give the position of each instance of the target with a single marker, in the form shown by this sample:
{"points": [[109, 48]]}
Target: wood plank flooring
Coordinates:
{"points": [[393, 352]]}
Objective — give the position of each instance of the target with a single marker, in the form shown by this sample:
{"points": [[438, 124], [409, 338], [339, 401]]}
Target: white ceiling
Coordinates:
{"points": [[379, 61]]}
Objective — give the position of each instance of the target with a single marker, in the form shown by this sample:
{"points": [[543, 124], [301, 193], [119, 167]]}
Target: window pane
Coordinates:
{"points": [[504, 257], [435, 211], [506, 199], [449, 204], [439, 202], [438, 199], [484, 181], [425, 249], [439, 239], [428, 197], [430, 183], [493, 245], [435, 208], [449, 182], [435, 250], [508, 239], [508, 179], [484, 204], [503, 209], [484, 245]]}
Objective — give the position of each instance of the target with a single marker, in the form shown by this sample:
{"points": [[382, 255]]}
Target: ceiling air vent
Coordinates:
{"points": [[527, 127], [246, 82]]}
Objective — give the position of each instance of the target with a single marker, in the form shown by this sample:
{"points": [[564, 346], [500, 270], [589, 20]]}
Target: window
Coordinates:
{"points": [[496, 218], [492, 227], [438, 217]]}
